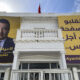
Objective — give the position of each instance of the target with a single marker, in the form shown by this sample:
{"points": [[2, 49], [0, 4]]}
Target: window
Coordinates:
{"points": [[38, 65], [1, 76]]}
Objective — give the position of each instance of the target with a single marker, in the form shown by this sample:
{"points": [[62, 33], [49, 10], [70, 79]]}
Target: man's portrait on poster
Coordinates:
{"points": [[6, 43]]}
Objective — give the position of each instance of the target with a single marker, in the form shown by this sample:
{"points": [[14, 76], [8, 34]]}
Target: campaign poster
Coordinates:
{"points": [[70, 26], [8, 29]]}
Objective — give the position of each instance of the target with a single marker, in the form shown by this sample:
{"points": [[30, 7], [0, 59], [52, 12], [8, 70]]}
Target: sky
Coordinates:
{"points": [[47, 6]]}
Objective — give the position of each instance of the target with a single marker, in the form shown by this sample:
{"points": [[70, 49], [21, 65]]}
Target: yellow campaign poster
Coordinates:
{"points": [[8, 29], [14, 25], [70, 26]]}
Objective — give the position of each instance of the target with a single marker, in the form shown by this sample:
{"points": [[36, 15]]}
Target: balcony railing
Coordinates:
{"points": [[53, 74], [39, 34]]}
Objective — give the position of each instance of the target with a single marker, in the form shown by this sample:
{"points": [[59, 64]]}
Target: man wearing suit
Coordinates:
{"points": [[6, 43]]}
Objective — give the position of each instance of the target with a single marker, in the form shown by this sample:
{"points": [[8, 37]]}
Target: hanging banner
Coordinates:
{"points": [[70, 26], [8, 29]]}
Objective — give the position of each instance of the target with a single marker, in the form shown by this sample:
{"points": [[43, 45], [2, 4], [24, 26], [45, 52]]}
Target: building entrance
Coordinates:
{"points": [[35, 70]]}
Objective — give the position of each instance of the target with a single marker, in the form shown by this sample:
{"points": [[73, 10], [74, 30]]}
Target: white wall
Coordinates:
{"points": [[46, 22]]}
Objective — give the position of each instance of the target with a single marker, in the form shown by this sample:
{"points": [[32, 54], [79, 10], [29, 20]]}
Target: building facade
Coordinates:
{"points": [[39, 49]]}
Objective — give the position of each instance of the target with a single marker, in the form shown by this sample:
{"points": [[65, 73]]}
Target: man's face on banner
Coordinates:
{"points": [[3, 31]]}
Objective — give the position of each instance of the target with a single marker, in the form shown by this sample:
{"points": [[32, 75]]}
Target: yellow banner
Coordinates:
{"points": [[14, 25], [70, 26]]}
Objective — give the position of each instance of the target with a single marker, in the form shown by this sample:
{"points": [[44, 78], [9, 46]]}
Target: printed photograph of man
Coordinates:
{"points": [[6, 43]]}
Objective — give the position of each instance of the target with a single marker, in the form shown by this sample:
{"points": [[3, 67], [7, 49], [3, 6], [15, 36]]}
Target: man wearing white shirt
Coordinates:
{"points": [[2, 43]]}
